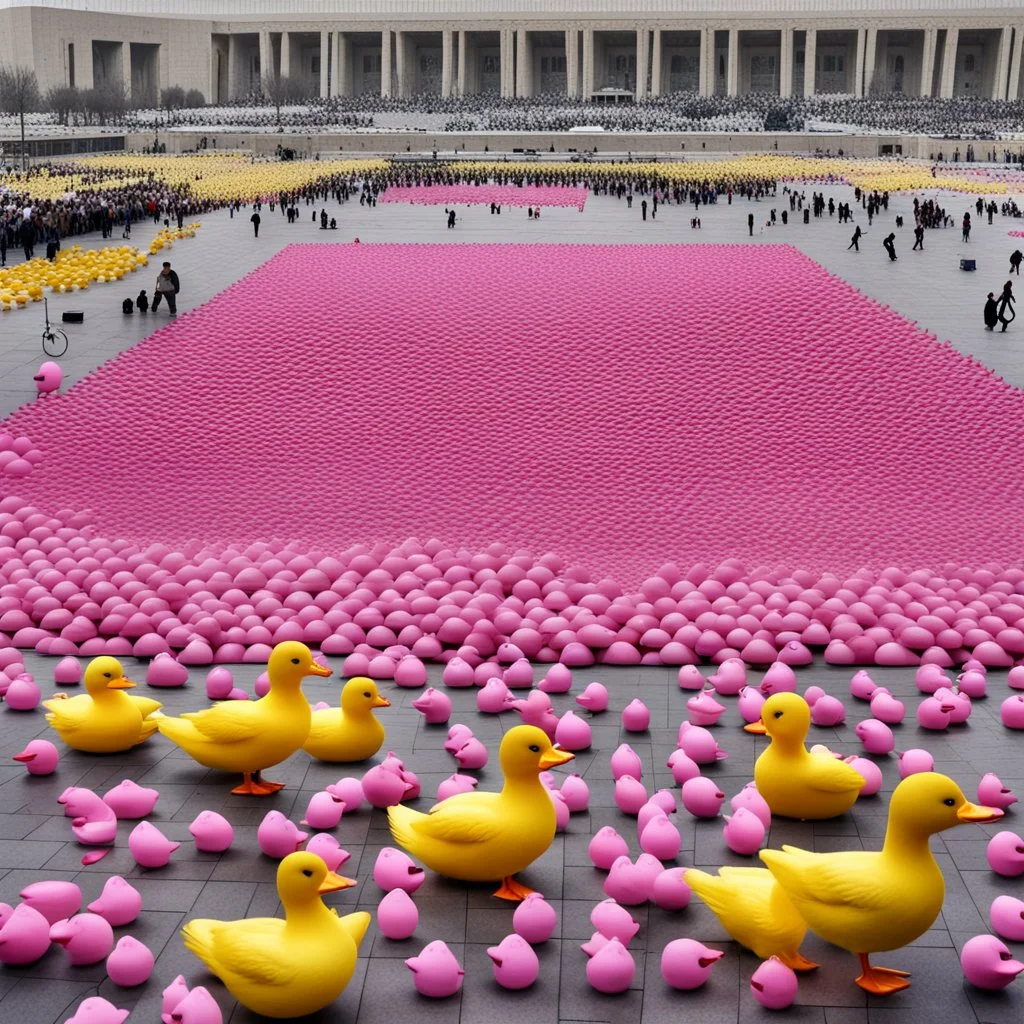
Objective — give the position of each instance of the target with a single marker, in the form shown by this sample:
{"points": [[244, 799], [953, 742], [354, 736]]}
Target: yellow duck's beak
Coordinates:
{"points": [[380, 702], [316, 669], [978, 813], [121, 684], [553, 758], [333, 882], [757, 728]]}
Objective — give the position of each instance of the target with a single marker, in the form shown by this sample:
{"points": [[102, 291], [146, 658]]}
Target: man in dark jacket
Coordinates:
{"points": [[255, 218], [167, 287]]}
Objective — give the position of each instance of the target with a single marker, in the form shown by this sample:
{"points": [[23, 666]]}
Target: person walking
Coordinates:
{"points": [[1005, 306], [889, 244], [255, 220], [167, 287], [966, 227], [855, 240], [750, 224], [991, 314], [643, 209], [1015, 257], [919, 238]]}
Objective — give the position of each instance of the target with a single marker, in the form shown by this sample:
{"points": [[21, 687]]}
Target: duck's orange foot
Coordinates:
{"points": [[254, 785], [797, 962], [881, 981], [512, 890]]}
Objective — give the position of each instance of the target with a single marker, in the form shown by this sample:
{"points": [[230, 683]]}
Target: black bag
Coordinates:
{"points": [[128, 307]]}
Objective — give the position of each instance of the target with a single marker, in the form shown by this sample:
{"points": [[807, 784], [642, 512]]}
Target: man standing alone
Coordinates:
{"points": [[255, 218], [167, 286], [750, 224]]}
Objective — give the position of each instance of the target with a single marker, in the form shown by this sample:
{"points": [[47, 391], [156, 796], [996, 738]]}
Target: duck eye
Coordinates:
{"points": [[779, 714], [366, 693], [295, 661], [107, 675], [307, 872], [535, 748], [949, 802]]}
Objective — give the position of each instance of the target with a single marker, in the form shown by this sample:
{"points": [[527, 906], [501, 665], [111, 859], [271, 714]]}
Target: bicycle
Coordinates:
{"points": [[55, 341]]}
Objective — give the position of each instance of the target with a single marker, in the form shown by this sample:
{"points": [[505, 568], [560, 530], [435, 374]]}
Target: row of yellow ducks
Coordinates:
{"points": [[862, 901]]}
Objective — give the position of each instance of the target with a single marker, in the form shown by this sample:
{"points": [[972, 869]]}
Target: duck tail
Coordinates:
{"points": [[356, 925], [400, 819], [712, 890], [198, 938], [177, 730]]}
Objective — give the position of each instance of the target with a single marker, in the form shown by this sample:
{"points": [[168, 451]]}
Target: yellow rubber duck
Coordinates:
{"points": [[249, 736], [351, 732], [795, 782], [104, 719], [286, 968], [754, 909], [484, 837], [869, 902]]}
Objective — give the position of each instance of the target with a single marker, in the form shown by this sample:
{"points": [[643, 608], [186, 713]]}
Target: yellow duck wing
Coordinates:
{"points": [[466, 818], [236, 722], [831, 776], [831, 879], [250, 949], [63, 715], [146, 705]]}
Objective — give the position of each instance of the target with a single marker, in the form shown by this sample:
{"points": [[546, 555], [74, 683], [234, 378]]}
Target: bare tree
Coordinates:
{"points": [[63, 100], [280, 90], [108, 100], [19, 94]]}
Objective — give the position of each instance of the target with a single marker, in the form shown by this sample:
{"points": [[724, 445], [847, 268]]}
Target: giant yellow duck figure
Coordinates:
{"points": [[486, 837], [249, 736], [104, 719], [870, 902], [351, 732], [755, 910], [794, 782], [286, 968]]}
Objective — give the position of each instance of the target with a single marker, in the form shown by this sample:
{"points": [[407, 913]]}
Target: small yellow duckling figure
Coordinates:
{"points": [[755, 910], [287, 968], [351, 732], [484, 837], [249, 736], [795, 782], [104, 719], [870, 902]]}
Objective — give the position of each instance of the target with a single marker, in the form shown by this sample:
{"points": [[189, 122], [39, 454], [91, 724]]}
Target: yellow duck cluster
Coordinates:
{"points": [[166, 237], [73, 270]]}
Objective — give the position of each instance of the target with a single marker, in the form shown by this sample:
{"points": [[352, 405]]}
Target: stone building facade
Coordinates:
{"points": [[600, 50]]}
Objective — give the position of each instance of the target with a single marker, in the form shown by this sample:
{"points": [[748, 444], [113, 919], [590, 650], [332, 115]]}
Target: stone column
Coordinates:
{"points": [[341, 66], [401, 65], [733, 80], [447, 52], [707, 62], [324, 59], [286, 55], [858, 70], [1002, 63], [949, 62], [266, 54], [786, 62], [1014, 85], [656, 64], [931, 37], [588, 64], [233, 75], [461, 82], [643, 61], [811, 60], [385, 62], [572, 62], [869, 60], [508, 88], [523, 84]]}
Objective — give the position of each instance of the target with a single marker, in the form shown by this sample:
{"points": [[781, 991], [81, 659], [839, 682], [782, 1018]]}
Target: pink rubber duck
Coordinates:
{"points": [[1011, 711], [683, 766], [129, 800], [535, 919], [198, 1007], [493, 698], [85, 938], [934, 714], [434, 706], [660, 838], [92, 821], [670, 890], [561, 810], [383, 787], [97, 1010], [774, 985], [626, 761], [749, 798], [704, 710], [557, 680], [165, 671], [536, 710], [730, 678], [636, 716], [173, 994], [130, 963], [350, 791], [594, 943], [262, 685], [220, 685], [328, 849], [916, 760], [973, 684], [930, 677], [606, 847], [779, 678], [572, 733], [436, 972], [212, 832], [456, 784], [743, 832], [23, 693], [962, 706], [54, 899], [457, 673], [457, 735], [40, 757], [702, 797], [519, 675], [650, 810], [627, 883], [876, 737], [886, 708], [515, 964], [149, 846], [472, 755], [1005, 854], [24, 937], [576, 793], [871, 773], [862, 686], [67, 672], [119, 903], [595, 697], [686, 964], [993, 793], [277, 836], [1007, 917], [750, 703], [987, 963], [697, 743], [397, 915], [1014, 678], [614, 921], [689, 678], [611, 969], [411, 672], [828, 711], [323, 811], [395, 869], [630, 794]]}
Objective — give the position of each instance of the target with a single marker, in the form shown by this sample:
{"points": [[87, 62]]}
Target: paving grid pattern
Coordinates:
{"points": [[37, 845]]}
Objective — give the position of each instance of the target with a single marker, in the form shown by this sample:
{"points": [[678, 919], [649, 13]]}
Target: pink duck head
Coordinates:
{"points": [[198, 1007], [886, 708], [24, 937], [493, 698], [670, 890], [455, 784], [606, 847], [572, 732], [915, 761], [119, 903], [730, 678], [750, 703], [614, 921], [277, 836], [743, 832], [636, 716], [436, 972], [55, 900], [149, 846], [697, 743], [67, 672], [328, 849], [862, 686], [987, 962], [97, 1010], [992, 792], [683, 766], [557, 680], [660, 838], [627, 883], [702, 797], [212, 832], [323, 811], [576, 793], [1011, 711], [1005, 854], [704, 710], [536, 710], [85, 938], [626, 761], [172, 995], [876, 737], [130, 963], [1007, 917], [929, 677], [828, 711], [779, 678], [39, 757], [749, 799], [434, 706], [383, 787], [395, 869], [686, 964], [934, 713], [535, 919], [774, 985], [595, 697], [611, 969], [397, 915], [48, 377], [457, 735], [689, 678], [165, 671], [515, 964], [129, 800]]}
